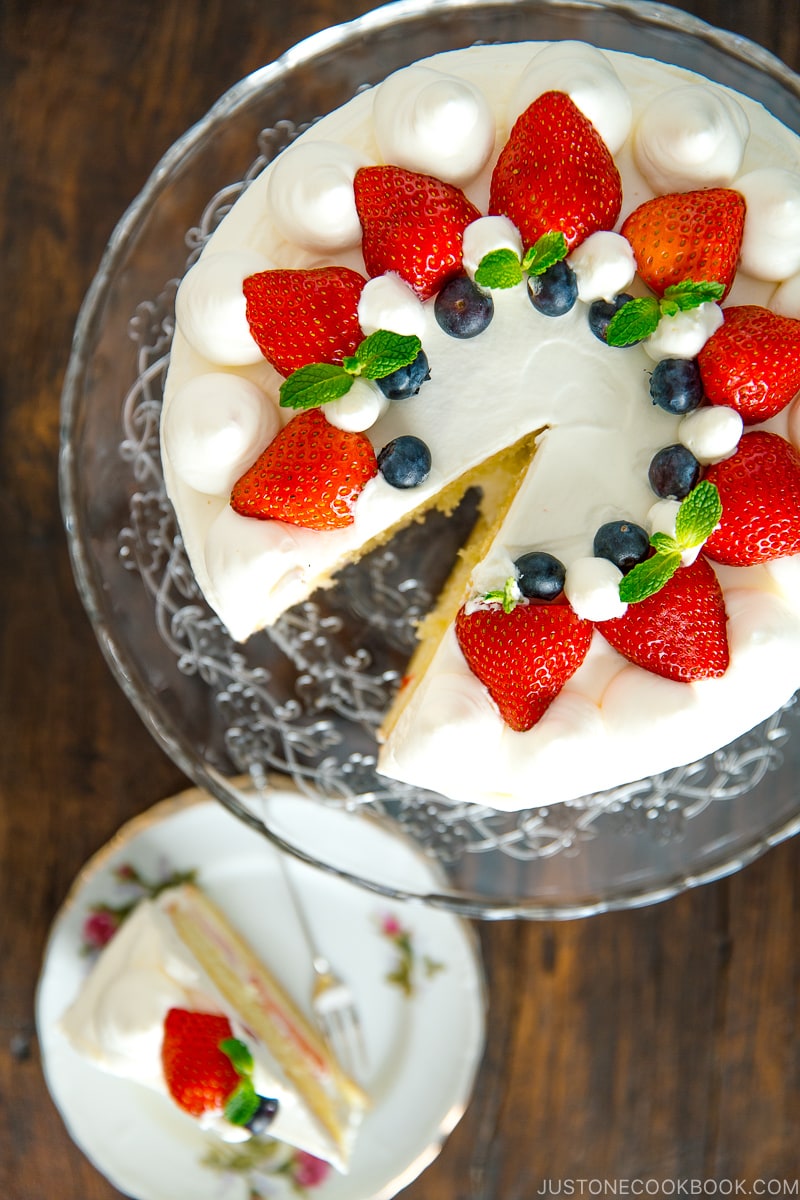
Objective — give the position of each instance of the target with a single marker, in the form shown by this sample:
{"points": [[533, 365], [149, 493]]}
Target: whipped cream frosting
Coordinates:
{"points": [[588, 403], [117, 1020]]}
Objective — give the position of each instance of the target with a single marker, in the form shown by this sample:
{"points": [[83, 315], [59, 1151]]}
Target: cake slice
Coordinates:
{"points": [[173, 977]]}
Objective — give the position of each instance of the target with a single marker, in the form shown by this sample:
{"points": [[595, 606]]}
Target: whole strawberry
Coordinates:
{"points": [[298, 317], [413, 225], [200, 1077], [310, 474], [555, 174], [680, 631], [523, 657], [687, 235], [752, 362], [759, 487]]}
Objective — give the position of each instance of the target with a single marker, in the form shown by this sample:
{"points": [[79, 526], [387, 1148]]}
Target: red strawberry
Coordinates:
{"points": [[310, 474], [679, 632], [523, 657], [556, 174], [752, 362], [306, 316], [412, 224], [199, 1076], [759, 487], [687, 235]]}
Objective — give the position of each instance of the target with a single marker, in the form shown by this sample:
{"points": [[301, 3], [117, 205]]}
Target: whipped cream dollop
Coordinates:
{"points": [[684, 334], [358, 409], [771, 241], [592, 588], [711, 433], [485, 235], [217, 425], [211, 310], [663, 518], [786, 298], [604, 266], [588, 78], [387, 302], [310, 194], [433, 123], [691, 137]]}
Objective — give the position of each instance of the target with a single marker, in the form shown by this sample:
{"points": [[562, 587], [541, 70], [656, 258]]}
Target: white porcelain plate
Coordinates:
{"points": [[415, 972]]}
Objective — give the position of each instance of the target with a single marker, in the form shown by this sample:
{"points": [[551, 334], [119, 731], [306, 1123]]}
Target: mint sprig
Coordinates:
{"points": [[639, 318], [243, 1102], [508, 595], [379, 355], [697, 518], [504, 269]]}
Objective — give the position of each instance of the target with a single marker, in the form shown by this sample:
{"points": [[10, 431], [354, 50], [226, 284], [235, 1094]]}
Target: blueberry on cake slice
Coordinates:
{"points": [[570, 278], [178, 1002]]}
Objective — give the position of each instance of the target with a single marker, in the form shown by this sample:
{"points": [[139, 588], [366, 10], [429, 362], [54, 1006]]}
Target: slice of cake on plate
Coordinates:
{"points": [[570, 278], [178, 1002]]}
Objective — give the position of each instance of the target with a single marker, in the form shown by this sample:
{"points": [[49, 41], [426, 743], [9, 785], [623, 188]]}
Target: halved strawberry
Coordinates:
{"points": [[310, 474], [555, 174], [687, 235], [413, 225], [199, 1076], [298, 317], [680, 631], [523, 657], [759, 487], [752, 362]]}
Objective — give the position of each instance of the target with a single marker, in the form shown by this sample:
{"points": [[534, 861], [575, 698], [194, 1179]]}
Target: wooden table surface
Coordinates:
{"points": [[658, 1044]]}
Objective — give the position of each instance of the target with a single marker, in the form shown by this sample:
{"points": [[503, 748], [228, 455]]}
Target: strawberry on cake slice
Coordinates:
{"points": [[575, 316]]}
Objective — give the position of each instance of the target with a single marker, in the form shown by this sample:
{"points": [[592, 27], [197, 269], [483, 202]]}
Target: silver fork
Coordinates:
{"points": [[332, 1000]]}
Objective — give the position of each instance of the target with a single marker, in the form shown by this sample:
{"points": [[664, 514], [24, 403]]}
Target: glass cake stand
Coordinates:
{"points": [[302, 702]]}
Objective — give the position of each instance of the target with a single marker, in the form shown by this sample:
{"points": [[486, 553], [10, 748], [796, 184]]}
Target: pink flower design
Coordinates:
{"points": [[309, 1171], [390, 926], [99, 927]]}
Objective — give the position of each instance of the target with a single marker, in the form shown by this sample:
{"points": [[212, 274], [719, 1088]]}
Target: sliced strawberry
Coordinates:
{"points": [[305, 316], [759, 487], [199, 1076], [680, 631], [413, 225], [309, 475], [523, 657], [687, 235], [555, 174], [752, 362]]}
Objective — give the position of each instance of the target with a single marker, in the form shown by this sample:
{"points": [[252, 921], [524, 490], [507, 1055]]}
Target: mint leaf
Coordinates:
{"points": [[239, 1054], [689, 294], [316, 384], [665, 543], [546, 251], [242, 1104], [698, 515], [648, 577], [635, 320], [384, 352], [507, 596], [499, 269]]}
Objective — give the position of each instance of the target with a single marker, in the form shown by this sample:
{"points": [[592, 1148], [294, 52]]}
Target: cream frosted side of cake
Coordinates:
{"points": [[117, 1022], [613, 722]]}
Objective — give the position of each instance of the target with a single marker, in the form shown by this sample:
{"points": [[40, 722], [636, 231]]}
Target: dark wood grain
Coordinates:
{"points": [[659, 1044]]}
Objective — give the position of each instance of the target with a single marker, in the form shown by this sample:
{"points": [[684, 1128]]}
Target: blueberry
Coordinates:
{"points": [[601, 313], [461, 309], [555, 291], [623, 543], [264, 1115], [674, 471], [676, 386], [406, 381], [405, 462], [540, 576]]}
